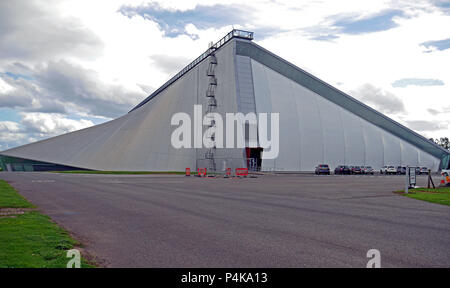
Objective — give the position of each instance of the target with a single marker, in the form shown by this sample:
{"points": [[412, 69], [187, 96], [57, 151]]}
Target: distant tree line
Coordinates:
{"points": [[443, 142]]}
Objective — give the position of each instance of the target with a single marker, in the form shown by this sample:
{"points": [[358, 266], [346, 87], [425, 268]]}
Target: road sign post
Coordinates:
{"points": [[410, 178], [407, 180]]}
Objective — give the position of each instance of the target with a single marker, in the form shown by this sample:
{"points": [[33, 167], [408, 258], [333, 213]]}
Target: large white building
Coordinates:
{"points": [[318, 123]]}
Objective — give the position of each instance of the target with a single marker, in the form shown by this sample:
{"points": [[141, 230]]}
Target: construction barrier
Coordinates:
{"points": [[220, 165], [241, 172], [228, 172], [188, 171], [201, 172], [445, 181]]}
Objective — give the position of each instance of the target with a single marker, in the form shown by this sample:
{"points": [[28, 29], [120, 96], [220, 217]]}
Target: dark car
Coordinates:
{"points": [[323, 169], [401, 170], [351, 169], [356, 170], [342, 169]]}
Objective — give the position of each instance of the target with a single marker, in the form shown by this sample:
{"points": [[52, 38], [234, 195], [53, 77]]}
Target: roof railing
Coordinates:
{"points": [[235, 33]]}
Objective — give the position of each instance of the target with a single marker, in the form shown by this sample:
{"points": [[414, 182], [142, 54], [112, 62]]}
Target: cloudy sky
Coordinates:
{"points": [[67, 65]]}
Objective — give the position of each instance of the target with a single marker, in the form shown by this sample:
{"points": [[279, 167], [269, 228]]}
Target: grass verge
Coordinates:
{"points": [[9, 198], [29, 239], [440, 195]]}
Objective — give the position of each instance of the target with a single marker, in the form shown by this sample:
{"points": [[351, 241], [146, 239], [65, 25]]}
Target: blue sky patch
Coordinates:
{"points": [[438, 44], [327, 37], [376, 23], [173, 22], [8, 114], [15, 76], [442, 4], [402, 83]]}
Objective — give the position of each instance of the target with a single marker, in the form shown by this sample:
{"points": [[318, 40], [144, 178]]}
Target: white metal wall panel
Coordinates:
{"points": [[392, 151], [309, 126], [354, 140], [374, 155], [263, 105], [283, 102], [318, 131], [409, 154], [426, 160], [334, 141]]}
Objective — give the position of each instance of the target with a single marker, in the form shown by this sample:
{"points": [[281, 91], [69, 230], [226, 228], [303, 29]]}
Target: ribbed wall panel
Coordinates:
{"points": [[313, 130]]}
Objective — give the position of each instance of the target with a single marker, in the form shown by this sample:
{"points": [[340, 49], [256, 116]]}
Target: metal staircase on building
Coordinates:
{"points": [[212, 107]]}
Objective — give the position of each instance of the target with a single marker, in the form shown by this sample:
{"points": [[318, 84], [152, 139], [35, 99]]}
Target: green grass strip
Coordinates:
{"points": [[31, 239], [439, 195], [9, 198]]}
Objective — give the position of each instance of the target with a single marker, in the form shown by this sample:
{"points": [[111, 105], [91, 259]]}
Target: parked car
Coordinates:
{"points": [[356, 170], [391, 170], [342, 169], [401, 170], [423, 170], [351, 168], [383, 170], [367, 170], [323, 169]]}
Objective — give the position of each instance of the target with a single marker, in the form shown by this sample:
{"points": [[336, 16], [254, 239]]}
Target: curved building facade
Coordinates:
{"points": [[318, 123]]}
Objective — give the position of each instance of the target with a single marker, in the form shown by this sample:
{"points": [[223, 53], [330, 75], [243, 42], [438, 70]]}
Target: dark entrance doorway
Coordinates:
{"points": [[254, 158]]}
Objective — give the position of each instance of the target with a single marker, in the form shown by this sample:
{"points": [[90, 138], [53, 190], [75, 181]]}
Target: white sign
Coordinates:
{"points": [[412, 176]]}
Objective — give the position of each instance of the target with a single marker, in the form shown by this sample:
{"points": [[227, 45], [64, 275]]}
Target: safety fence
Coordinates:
{"points": [[225, 166], [220, 165], [445, 180]]}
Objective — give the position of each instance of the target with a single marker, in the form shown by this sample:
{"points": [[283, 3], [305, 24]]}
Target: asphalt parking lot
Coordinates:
{"points": [[279, 220]]}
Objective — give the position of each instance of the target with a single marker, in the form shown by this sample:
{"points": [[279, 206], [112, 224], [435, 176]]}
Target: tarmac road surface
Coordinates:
{"points": [[275, 220]]}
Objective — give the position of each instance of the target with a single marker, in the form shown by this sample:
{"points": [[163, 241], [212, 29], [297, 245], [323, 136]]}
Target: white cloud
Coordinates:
{"points": [[52, 124], [382, 100], [10, 134], [37, 126], [5, 87], [9, 126], [32, 31]]}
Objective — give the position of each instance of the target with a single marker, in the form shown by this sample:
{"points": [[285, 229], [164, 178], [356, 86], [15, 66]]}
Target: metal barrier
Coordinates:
{"points": [[445, 181], [241, 172], [221, 165], [201, 172]]}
